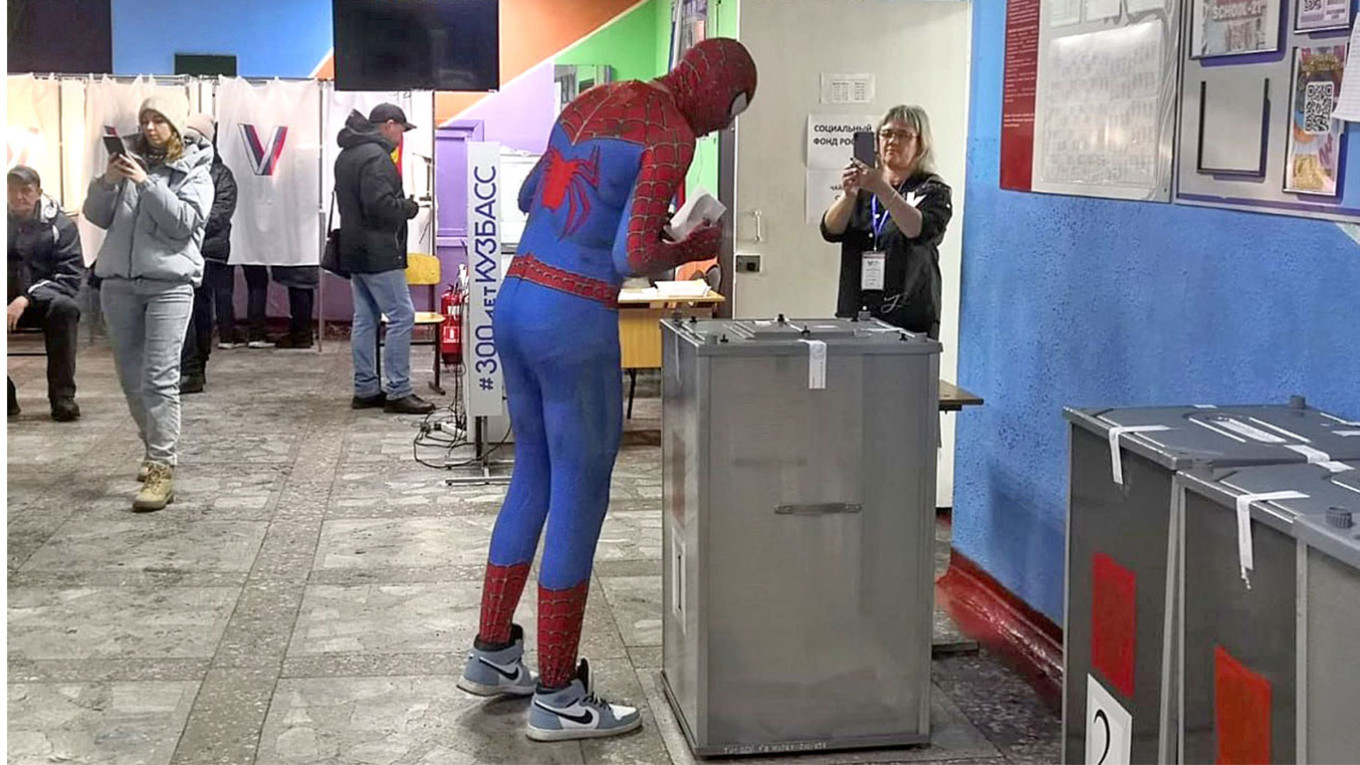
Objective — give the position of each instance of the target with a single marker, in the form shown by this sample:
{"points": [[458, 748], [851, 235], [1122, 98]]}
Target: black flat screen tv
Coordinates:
{"points": [[417, 44]]}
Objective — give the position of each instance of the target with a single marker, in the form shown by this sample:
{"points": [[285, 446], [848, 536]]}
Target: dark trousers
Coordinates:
{"points": [[214, 294], [59, 319], [221, 278], [257, 298], [193, 359], [301, 302]]}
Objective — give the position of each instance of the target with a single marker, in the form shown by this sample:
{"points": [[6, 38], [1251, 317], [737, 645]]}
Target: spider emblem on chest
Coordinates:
{"points": [[567, 180]]}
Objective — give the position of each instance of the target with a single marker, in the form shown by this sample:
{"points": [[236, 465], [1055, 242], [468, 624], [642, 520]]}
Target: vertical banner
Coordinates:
{"points": [[268, 136], [1018, 90], [485, 387]]}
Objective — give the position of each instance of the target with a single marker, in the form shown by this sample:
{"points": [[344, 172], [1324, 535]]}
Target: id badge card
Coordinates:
{"points": [[872, 270]]}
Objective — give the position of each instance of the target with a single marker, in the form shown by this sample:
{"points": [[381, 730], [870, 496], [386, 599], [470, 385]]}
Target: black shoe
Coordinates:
{"points": [[294, 342], [192, 383], [368, 402], [412, 404], [13, 401], [65, 411]]}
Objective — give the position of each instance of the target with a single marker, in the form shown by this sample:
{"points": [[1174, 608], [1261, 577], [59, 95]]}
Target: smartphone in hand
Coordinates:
{"points": [[866, 150], [115, 146]]}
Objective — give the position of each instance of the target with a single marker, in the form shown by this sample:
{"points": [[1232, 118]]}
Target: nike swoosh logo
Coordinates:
{"points": [[584, 719], [508, 675]]}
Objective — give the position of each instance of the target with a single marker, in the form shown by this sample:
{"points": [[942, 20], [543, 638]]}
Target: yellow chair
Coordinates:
{"points": [[422, 270]]}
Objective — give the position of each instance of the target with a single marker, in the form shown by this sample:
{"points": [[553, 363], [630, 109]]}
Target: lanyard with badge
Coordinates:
{"points": [[874, 266]]}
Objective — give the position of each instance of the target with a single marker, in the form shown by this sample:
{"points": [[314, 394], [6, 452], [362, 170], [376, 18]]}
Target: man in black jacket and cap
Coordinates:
{"points": [[373, 214], [45, 271], [216, 289]]}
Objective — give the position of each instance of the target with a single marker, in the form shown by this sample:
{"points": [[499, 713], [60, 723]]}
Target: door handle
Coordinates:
{"points": [[760, 226], [819, 508]]}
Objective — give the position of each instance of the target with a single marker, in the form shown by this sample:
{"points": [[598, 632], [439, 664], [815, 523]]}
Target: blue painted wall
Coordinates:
{"points": [[1070, 301], [270, 38]]}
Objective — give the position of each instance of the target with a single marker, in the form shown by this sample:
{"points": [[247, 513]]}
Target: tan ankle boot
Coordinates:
{"points": [[157, 491], [143, 470]]}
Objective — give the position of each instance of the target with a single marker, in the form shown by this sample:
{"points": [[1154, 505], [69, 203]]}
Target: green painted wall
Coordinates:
{"points": [[629, 45], [638, 47], [722, 22]]}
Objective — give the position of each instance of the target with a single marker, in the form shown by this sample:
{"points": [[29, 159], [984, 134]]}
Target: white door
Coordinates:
{"points": [[918, 53]]}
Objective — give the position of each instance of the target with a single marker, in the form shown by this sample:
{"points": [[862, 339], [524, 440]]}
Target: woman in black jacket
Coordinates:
{"points": [[218, 277], [889, 221]]}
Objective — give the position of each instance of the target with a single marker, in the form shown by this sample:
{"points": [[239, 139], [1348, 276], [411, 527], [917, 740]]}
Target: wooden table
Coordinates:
{"points": [[954, 399], [640, 327]]}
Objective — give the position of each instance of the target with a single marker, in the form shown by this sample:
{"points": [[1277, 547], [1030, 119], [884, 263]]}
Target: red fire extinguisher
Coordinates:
{"points": [[451, 335]]}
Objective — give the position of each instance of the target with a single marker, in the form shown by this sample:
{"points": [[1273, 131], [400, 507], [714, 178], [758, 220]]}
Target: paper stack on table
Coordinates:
{"points": [[694, 288], [701, 206]]}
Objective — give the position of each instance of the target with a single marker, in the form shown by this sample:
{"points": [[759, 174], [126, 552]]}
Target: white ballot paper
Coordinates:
{"points": [[700, 206], [1348, 103]]}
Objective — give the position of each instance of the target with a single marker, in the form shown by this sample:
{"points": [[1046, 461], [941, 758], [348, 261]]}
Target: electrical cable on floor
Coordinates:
{"points": [[446, 429]]}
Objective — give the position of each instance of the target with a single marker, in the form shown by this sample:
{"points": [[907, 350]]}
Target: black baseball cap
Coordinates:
{"points": [[384, 112]]}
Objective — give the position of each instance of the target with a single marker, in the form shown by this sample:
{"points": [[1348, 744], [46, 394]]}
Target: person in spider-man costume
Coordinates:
{"points": [[598, 202]]}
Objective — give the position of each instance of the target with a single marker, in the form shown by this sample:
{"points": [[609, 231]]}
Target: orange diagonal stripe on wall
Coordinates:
{"points": [[532, 31]]}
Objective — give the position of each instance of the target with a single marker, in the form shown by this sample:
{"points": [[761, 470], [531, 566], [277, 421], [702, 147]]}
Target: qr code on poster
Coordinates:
{"points": [[1312, 6], [1317, 107]]}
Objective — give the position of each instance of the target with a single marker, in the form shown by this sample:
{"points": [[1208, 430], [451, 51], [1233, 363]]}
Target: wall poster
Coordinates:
{"points": [[1316, 15], [1234, 27], [1018, 89], [1313, 158], [1101, 108]]}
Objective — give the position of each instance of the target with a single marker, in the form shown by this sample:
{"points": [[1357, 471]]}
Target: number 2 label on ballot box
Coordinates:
{"points": [[1109, 727]]}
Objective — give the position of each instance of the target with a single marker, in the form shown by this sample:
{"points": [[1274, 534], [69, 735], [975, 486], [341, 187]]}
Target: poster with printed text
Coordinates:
{"points": [[1234, 27], [1313, 158], [1314, 15]]}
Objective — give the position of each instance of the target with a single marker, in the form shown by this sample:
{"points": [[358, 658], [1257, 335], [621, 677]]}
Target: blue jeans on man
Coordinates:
{"points": [[375, 295]]}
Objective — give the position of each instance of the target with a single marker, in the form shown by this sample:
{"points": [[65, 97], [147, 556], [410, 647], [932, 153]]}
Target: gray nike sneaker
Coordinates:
{"points": [[499, 673], [575, 712]]}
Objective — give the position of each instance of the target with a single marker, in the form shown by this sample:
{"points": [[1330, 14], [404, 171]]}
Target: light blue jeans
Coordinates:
{"points": [[374, 295], [146, 321]]}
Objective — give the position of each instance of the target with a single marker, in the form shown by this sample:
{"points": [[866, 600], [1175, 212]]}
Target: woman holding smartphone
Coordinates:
{"points": [[154, 206], [889, 220]]}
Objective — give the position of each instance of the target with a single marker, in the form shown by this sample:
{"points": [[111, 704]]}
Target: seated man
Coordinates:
{"points": [[45, 271]]}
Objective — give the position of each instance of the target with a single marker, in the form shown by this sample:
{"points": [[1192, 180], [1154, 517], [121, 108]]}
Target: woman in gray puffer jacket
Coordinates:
{"points": [[154, 207]]}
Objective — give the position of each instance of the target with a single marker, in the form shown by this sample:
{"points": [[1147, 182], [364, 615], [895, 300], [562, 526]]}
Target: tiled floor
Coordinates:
{"points": [[309, 596]]}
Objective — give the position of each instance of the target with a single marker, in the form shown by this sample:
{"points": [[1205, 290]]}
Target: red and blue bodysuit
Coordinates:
{"points": [[597, 201]]}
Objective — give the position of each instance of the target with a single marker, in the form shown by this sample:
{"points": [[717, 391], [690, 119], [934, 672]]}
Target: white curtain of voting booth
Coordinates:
{"points": [[33, 129], [269, 136], [417, 148]]}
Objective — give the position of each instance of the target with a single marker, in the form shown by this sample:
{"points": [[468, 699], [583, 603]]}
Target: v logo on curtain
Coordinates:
{"points": [[270, 136], [264, 158]]}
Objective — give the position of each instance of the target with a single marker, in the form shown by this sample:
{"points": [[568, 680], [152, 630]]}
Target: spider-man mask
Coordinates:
{"points": [[713, 83]]}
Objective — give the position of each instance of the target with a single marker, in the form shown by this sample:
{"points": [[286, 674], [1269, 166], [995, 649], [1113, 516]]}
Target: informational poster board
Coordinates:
{"points": [[1259, 117], [1259, 132], [830, 145], [1089, 97]]}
